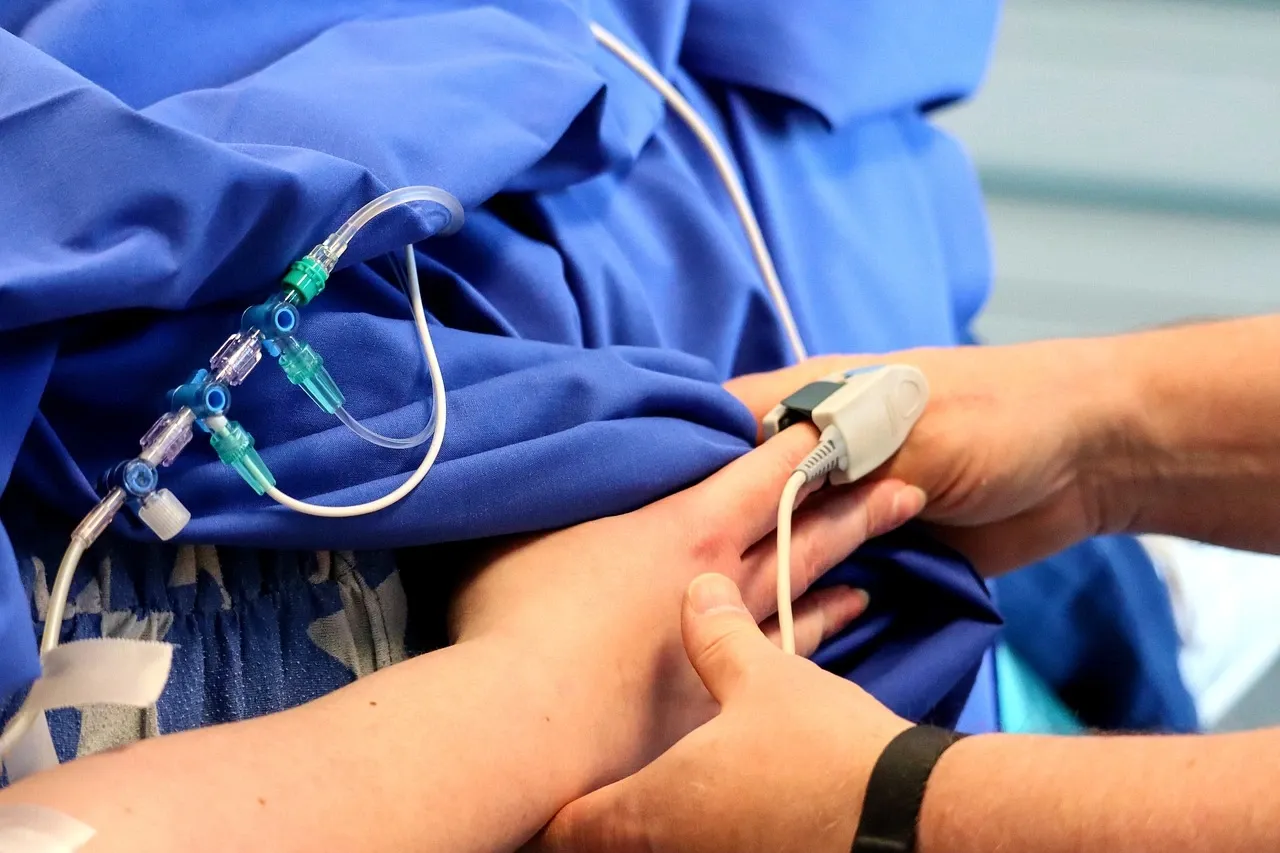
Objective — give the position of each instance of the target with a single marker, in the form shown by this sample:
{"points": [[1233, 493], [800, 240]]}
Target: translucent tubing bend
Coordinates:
{"points": [[384, 440], [332, 248], [437, 438], [365, 433], [741, 204]]}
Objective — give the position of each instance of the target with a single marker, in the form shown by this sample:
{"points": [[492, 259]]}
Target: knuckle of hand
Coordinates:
{"points": [[711, 542]]}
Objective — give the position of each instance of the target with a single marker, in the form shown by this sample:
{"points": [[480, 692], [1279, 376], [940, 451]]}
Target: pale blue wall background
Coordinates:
{"points": [[1131, 154]]}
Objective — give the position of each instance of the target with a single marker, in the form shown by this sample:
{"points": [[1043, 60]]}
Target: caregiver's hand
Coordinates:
{"points": [[1017, 451], [783, 767], [594, 606]]}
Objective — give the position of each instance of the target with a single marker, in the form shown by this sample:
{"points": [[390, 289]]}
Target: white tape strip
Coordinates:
{"points": [[105, 671], [35, 829]]}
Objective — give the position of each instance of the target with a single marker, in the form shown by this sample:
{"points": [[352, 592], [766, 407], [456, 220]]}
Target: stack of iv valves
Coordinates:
{"points": [[204, 400]]}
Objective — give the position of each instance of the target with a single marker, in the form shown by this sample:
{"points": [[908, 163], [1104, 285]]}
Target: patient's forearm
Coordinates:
{"points": [[468, 749]]}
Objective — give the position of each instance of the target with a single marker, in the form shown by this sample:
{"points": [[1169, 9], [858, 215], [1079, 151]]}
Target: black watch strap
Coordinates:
{"points": [[895, 791]]}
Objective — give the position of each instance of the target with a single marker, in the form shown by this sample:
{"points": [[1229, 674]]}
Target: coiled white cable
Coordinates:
{"points": [[723, 165], [437, 438]]}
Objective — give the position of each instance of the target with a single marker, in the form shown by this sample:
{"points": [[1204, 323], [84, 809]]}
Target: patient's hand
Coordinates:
{"points": [[596, 607]]}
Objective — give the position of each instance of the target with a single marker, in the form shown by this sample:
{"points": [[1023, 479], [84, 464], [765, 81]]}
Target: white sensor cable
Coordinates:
{"points": [[865, 416], [821, 461], [723, 165]]}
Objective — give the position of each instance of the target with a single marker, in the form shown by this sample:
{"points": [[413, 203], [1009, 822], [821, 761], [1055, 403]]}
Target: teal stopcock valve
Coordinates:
{"points": [[305, 368], [277, 321], [234, 446]]}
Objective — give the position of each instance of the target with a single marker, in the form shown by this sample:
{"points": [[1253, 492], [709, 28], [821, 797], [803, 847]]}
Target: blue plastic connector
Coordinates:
{"points": [[234, 446], [135, 477], [276, 319], [159, 509], [201, 395]]}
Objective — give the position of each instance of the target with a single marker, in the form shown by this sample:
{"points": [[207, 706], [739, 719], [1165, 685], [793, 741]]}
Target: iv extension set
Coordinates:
{"points": [[204, 402], [863, 416]]}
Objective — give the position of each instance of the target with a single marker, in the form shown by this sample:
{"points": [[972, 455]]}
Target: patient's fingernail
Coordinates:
{"points": [[713, 592], [907, 504]]}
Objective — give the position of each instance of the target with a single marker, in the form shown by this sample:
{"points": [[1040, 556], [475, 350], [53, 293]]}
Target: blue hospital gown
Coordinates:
{"points": [[163, 165]]}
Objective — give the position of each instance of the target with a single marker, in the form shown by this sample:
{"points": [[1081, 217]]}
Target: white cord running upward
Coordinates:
{"points": [[437, 438], [741, 204]]}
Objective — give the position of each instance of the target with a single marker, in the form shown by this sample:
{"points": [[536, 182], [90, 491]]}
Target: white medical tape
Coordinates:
{"points": [[105, 671], [35, 829]]}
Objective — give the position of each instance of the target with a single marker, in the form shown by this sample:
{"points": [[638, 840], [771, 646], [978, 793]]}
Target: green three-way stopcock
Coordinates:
{"points": [[277, 321]]}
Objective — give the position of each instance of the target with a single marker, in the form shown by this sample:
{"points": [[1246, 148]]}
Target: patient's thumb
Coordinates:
{"points": [[721, 637]]}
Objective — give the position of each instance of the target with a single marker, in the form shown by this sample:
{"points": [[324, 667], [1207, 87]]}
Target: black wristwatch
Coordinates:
{"points": [[895, 791]]}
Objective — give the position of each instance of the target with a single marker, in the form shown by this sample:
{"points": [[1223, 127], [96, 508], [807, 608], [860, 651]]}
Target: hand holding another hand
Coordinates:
{"points": [[595, 606], [1018, 449], [783, 766]]}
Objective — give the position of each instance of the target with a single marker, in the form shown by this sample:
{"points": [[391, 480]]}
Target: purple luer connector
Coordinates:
{"points": [[167, 437], [236, 358]]}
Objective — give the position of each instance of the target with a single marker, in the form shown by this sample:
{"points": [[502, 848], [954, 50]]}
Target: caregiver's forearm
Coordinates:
{"points": [[467, 749], [1200, 409], [1189, 794]]}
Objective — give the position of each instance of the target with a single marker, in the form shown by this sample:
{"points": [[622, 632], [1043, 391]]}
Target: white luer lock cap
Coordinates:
{"points": [[164, 514]]}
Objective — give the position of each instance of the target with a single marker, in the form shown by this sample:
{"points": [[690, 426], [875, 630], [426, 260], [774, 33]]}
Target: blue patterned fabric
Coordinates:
{"points": [[162, 167], [254, 631]]}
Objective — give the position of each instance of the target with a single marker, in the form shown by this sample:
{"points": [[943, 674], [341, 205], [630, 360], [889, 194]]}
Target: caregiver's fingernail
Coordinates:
{"points": [[712, 592], [907, 504]]}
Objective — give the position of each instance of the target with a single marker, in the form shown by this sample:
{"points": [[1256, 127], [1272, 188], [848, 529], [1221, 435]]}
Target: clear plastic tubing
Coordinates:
{"points": [[445, 218], [383, 440]]}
